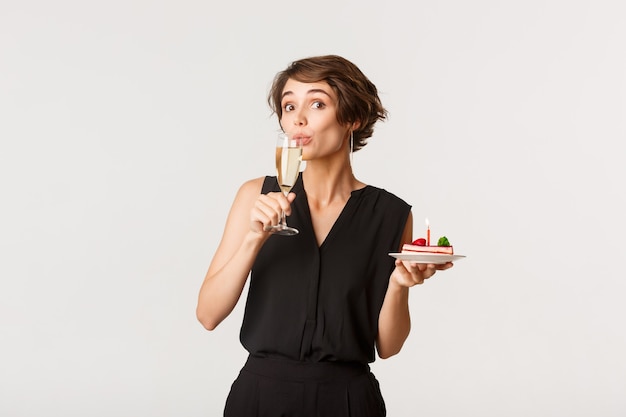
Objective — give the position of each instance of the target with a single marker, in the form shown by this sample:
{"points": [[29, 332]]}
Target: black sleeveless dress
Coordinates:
{"points": [[310, 304]]}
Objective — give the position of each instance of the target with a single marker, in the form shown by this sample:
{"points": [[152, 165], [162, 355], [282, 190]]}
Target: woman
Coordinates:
{"points": [[321, 303]]}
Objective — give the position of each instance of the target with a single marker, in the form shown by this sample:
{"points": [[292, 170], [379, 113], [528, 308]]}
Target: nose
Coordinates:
{"points": [[299, 118]]}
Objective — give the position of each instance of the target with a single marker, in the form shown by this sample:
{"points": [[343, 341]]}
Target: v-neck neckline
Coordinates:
{"points": [[354, 195]]}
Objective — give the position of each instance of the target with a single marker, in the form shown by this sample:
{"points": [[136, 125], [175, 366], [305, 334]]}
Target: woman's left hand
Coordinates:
{"points": [[408, 274]]}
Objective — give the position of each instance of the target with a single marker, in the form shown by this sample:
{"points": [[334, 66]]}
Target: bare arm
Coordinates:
{"points": [[242, 239], [394, 322]]}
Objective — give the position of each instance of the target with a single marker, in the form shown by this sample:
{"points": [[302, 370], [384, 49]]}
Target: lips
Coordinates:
{"points": [[303, 137]]}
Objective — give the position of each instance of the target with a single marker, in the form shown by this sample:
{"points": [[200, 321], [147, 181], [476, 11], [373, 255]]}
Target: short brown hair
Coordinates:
{"points": [[357, 96]]}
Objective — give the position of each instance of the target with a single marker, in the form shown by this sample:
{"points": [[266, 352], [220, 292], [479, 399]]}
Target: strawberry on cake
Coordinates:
{"points": [[419, 245]]}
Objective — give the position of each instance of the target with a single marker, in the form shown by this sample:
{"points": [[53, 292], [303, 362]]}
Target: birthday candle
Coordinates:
{"points": [[427, 232]]}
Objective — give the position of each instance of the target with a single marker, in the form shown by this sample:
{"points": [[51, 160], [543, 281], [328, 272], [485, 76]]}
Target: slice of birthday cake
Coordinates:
{"points": [[420, 246]]}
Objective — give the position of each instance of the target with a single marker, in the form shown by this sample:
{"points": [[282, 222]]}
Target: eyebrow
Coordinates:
{"points": [[311, 91]]}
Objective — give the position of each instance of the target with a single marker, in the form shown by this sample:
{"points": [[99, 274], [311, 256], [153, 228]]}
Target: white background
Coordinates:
{"points": [[127, 126]]}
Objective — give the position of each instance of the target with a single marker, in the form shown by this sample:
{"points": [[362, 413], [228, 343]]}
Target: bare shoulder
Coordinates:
{"points": [[246, 196], [254, 184], [250, 189], [237, 222]]}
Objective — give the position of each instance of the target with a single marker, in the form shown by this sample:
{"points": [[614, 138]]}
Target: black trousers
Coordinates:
{"points": [[282, 388]]}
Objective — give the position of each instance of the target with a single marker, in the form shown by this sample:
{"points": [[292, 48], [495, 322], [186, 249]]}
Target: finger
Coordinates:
{"points": [[266, 211], [260, 220], [284, 203], [416, 266], [270, 204], [406, 274], [271, 199], [430, 270], [443, 267], [422, 271]]}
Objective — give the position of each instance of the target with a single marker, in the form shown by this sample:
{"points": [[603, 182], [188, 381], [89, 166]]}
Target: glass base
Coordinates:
{"points": [[281, 229]]}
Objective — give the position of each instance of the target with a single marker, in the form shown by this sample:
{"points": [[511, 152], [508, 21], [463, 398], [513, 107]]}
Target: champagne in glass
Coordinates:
{"points": [[288, 158]]}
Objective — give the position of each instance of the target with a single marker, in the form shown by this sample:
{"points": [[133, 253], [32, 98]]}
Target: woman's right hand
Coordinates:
{"points": [[267, 210]]}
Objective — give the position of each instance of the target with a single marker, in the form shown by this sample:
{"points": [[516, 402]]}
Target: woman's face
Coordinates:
{"points": [[309, 110]]}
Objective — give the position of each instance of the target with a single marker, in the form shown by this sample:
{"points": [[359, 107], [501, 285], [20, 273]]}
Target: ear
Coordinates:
{"points": [[355, 125]]}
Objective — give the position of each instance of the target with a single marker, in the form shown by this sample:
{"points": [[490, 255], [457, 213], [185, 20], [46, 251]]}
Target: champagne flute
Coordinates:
{"points": [[288, 158]]}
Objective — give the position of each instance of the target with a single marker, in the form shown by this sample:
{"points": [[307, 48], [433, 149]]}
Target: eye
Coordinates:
{"points": [[318, 105], [288, 107]]}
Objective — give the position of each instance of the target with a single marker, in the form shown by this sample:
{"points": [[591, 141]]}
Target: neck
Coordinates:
{"points": [[327, 182]]}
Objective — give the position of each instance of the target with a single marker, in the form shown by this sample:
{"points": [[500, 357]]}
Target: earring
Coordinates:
{"points": [[351, 146]]}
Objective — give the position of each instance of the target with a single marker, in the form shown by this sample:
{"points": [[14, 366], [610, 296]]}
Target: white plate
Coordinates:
{"points": [[427, 258]]}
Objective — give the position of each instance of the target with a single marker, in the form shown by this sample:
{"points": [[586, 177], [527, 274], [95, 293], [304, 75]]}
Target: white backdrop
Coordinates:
{"points": [[127, 126]]}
